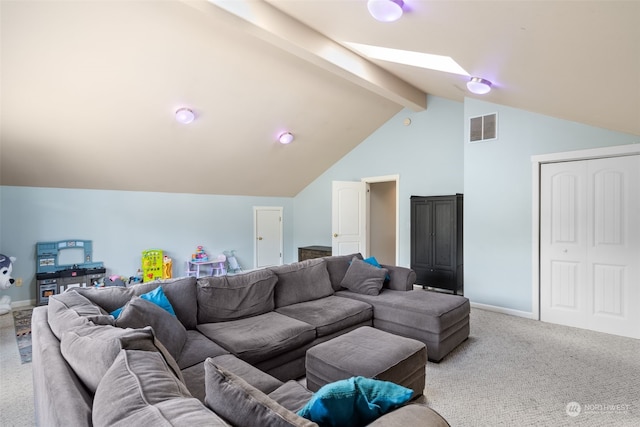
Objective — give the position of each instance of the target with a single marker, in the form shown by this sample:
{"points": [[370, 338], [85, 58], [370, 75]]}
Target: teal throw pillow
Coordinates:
{"points": [[155, 296], [356, 401]]}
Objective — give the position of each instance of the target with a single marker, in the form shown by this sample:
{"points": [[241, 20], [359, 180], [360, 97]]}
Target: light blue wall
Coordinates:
{"points": [[122, 224], [498, 198], [427, 155], [430, 156]]}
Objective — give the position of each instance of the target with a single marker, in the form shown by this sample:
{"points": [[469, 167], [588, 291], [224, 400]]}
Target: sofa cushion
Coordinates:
{"points": [[354, 401], [292, 395], [234, 297], [90, 351], [243, 405], [302, 281], [140, 389], [424, 310], [70, 309], [337, 266], [197, 348], [330, 314], [139, 312], [364, 278], [181, 293], [258, 338]]}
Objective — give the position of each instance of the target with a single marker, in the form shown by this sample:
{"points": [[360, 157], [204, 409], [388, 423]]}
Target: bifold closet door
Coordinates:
{"points": [[590, 244]]}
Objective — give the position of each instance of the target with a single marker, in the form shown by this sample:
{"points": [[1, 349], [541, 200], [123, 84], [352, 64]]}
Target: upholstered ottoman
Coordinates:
{"points": [[370, 353]]}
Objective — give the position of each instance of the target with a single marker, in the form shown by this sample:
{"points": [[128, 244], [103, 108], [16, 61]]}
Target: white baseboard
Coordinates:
{"points": [[23, 303], [503, 310]]}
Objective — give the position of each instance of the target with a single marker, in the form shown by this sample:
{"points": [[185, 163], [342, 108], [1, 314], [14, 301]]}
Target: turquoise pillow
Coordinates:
{"points": [[373, 261], [155, 296], [356, 401]]}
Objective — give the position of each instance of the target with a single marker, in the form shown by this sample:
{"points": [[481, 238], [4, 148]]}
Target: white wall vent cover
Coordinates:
{"points": [[483, 128]]}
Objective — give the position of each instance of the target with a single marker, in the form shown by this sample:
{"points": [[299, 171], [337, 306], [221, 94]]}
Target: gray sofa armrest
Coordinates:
{"points": [[60, 398], [414, 414], [401, 278]]}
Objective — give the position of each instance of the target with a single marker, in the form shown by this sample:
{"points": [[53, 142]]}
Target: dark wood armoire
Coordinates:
{"points": [[436, 242]]}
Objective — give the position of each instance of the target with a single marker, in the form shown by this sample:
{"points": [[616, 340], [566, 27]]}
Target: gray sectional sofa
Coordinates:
{"points": [[150, 367]]}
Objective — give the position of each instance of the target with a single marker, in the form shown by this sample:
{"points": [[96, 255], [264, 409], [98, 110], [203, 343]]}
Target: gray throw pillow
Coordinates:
{"points": [[241, 404], [364, 278], [139, 389], [302, 281], [139, 313]]}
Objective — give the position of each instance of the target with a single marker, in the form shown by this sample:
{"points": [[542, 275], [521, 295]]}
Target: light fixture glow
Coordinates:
{"points": [[407, 57], [385, 10], [286, 138], [479, 86], [185, 115]]}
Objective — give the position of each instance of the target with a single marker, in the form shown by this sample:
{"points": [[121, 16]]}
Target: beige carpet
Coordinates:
{"points": [[519, 372], [16, 387]]}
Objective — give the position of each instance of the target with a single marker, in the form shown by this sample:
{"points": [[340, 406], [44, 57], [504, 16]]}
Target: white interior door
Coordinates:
{"points": [[349, 217], [268, 236], [590, 244]]}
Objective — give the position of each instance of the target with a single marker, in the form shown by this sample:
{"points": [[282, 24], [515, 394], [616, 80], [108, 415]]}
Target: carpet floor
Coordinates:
{"points": [[16, 383], [520, 372]]}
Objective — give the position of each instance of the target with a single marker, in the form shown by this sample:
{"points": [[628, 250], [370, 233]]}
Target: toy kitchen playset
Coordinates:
{"points": [[63, 265]]}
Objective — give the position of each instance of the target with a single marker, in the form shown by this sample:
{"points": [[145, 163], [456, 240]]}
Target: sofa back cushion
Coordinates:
{"points": [[139, 389], [225, 298], [302, 281], [181, 293], [70, 309], [337, 265], [90, 351]]}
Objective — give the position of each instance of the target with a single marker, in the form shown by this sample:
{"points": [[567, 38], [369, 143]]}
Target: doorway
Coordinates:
{"points": [[365, 218]]}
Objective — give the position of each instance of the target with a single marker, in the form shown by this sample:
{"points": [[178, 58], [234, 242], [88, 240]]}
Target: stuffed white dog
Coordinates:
{"points": [[6, 266]]}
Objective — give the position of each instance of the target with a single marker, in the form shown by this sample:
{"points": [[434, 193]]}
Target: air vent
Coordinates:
{"points": [[483, 128]]}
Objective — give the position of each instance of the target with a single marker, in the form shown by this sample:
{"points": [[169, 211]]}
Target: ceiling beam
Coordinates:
{"points": [[279, 29]]}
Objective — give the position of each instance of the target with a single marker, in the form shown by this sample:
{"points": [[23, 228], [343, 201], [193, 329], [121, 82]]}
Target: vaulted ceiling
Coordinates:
{"points": [[89, 89]]}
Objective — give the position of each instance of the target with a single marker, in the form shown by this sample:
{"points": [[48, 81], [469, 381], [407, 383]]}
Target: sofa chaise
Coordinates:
{"points": [[257, 326]]}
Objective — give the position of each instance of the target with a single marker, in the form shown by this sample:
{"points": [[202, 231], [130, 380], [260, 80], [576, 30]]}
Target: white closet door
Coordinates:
{"points": [[590, 244]]}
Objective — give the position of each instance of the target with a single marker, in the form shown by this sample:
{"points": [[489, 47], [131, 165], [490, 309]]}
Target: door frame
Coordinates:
{"points": [[536, 164]]}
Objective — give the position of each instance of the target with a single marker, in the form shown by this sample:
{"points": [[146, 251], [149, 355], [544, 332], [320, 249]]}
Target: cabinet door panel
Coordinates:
{"points": [[422, 246], [444, 243]]}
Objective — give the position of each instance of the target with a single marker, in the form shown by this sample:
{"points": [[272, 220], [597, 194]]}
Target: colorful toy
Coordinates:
{"points": [[6, 267], [167, 267], [200, 255]]}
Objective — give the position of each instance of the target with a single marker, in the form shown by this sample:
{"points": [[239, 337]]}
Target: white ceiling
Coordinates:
{"points": [[89, 88]]}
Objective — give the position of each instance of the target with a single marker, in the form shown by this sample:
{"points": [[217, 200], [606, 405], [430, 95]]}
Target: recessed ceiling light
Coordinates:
{"points": [[406, 57]]}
